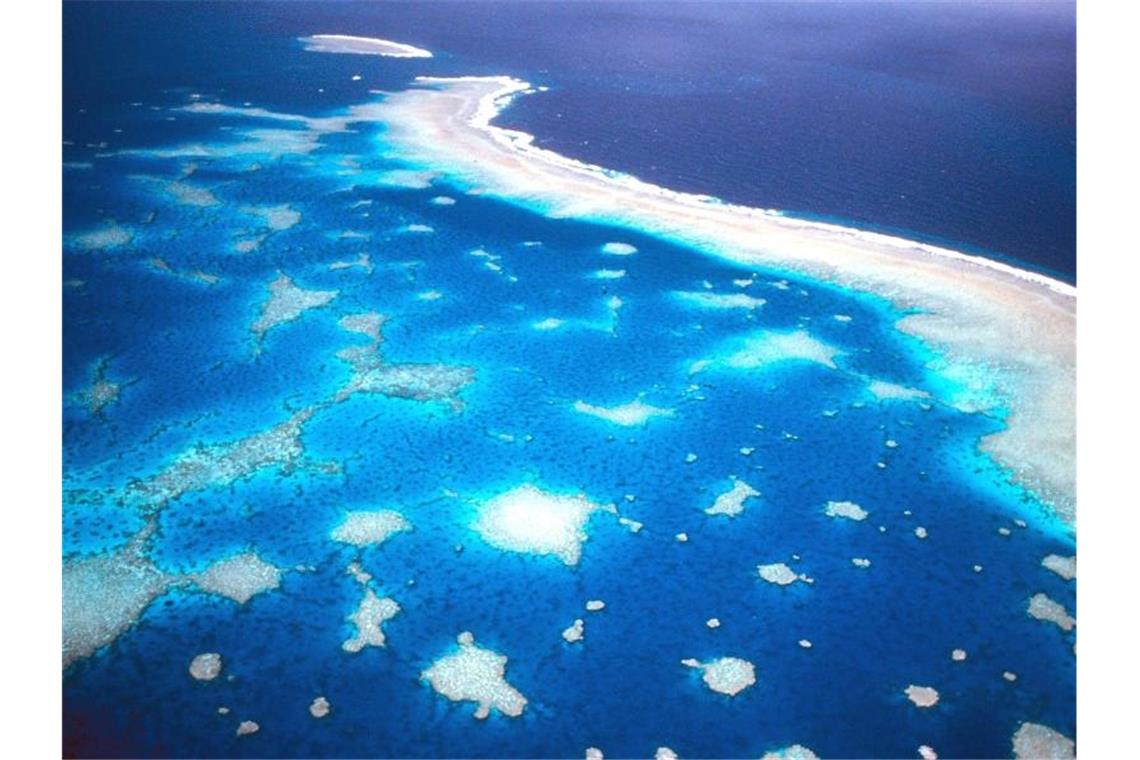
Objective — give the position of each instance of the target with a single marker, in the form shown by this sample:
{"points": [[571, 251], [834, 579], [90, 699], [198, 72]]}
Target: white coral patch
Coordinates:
{"points": [[726, 675], [530, 520], [1035, 741], [367, 528], [778, 573], [368, 619], [475, 675], [731, 502], [922, 696], [847, 509], [239, 578], [206, 667]]}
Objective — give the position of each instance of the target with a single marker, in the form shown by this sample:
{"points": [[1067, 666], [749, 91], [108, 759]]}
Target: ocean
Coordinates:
{"points": [[174, 232]]}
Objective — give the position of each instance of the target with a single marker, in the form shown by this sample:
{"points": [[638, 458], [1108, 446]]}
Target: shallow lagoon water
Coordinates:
{"points": [[191, 374]]}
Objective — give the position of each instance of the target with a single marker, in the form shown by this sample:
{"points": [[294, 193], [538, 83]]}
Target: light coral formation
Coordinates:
{"points": [[634, 413], [1044, 608], [320, 707], [767, 347], [847, 509], [882, 390], [529, 520], [104, 595], [619, 249], [575, 632], [275, 218], [287, 302], [779, 574], [718, 300], [220, 465], [247, 727], [416, 382], [110, 236], [1033, 741], [239, 578], [1066, 567], [725, 675], [731, 502], [206, 667], [793, 752], [369, 528], [475, 675], [363, 261], [368, 618], [922, 696]]}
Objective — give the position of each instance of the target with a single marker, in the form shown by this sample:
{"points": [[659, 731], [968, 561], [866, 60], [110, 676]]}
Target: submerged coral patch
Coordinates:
{"points": [[636, 412]]}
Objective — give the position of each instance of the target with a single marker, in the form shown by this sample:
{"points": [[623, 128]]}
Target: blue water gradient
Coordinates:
{"points": [[192, 373]]}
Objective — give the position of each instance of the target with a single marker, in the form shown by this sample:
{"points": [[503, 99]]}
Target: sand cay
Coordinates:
{"points": [[1017, 327], [346, 43]]}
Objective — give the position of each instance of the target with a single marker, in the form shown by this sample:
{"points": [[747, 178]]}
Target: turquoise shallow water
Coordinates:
{"points": [[191, 374]]}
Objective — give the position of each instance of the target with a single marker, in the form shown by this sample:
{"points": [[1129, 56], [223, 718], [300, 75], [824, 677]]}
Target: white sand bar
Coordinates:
{"points": [[475, 675], [1017, 326], [347, 43]]}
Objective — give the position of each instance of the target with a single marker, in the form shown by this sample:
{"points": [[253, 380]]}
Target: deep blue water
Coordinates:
{"points": [[953, 122], [186, 358]]}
